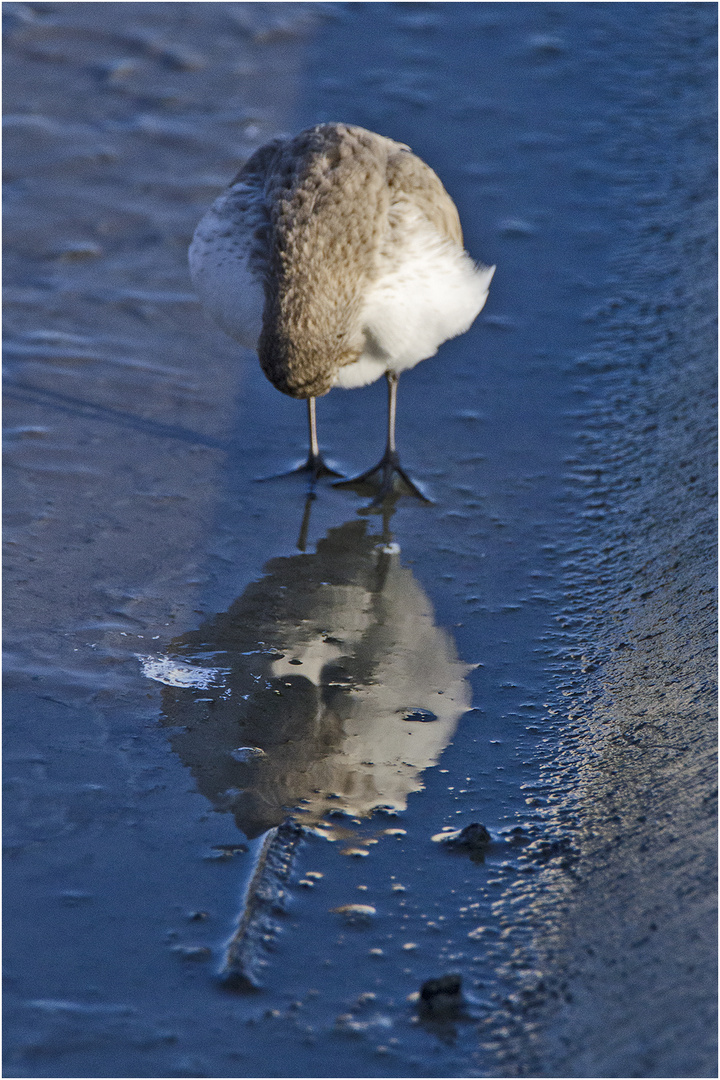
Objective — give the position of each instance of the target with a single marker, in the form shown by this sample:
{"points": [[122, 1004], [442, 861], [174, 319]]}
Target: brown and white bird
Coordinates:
{"points": [[338, 255]]}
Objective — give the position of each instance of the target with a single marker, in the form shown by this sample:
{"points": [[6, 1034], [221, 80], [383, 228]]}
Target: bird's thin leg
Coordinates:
{"points": [[314, 466], [389, 465], [312, 432], [314, 460], [392, 380], [315, 463]]}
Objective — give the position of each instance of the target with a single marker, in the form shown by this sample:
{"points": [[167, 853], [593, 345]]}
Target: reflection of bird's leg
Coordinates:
{"points": [[387, 548], [315, 467], [388, 509], [389, 465], [305, 524]]}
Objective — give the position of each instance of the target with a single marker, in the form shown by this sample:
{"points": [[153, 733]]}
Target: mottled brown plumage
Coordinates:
{"points": [[332, 195]]}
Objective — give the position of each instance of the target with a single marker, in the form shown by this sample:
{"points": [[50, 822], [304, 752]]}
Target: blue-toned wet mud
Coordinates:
{"points": [[137, 806]]}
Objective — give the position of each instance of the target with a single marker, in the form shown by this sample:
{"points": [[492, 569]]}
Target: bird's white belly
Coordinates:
{"points": [[221, 273], [433, 293]]}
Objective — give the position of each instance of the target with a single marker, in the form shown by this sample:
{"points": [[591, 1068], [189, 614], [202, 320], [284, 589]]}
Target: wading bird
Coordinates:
{"points": [[338, 255]]}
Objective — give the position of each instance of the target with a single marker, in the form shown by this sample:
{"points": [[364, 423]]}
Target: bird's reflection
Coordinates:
{"points": [[327, 686]]}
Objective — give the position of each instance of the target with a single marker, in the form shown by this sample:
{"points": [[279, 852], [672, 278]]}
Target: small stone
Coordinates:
{"points": [[221, 852], [441, 996], [474, 838], [423, 716], [517, 837], [245, 754], [356, 914]]}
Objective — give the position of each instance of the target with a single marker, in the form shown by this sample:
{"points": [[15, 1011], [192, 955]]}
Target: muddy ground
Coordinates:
{"points": [[191, 654]]}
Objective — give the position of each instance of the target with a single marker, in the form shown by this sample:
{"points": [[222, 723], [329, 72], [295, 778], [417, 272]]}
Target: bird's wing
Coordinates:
{"points": [[410, 180]]}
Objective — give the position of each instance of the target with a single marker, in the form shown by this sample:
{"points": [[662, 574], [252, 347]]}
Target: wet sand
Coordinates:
{"points": [[562, 574]]}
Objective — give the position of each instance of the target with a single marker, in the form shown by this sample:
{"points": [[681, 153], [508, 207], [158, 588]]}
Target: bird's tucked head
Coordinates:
{"points": [[302, 346]]}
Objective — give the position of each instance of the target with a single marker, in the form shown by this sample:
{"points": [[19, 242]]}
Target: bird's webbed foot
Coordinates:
{"points": [[317, 468], [385, 479], [314, 468]]}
